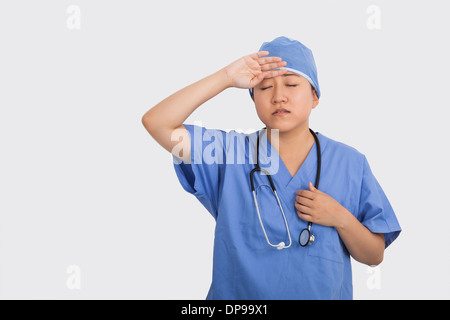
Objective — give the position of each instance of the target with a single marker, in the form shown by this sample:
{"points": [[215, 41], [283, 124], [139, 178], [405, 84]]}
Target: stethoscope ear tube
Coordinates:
{"points": [[319, 159], [258, 168], [272, 185], [306, 238]]}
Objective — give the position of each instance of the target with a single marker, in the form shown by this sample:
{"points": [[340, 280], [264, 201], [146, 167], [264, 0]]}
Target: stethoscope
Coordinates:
{"points": [[306, 237]]}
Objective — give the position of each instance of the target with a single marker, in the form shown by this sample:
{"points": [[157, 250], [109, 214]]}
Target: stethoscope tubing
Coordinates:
{"points": [[281, 245]]}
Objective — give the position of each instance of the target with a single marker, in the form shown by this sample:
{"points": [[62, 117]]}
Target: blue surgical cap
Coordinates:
{"points": [[299, 59]]}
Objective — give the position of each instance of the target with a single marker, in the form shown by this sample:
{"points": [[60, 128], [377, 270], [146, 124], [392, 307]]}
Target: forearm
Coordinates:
{"points": [[175, 109], [363, 245], [165, 121]]}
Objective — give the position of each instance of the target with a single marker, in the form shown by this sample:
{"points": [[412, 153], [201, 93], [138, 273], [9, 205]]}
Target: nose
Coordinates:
{"points": [[278, 95]]}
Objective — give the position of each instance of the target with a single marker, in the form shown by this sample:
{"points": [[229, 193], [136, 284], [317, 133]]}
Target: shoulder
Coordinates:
{"points": [[340, 151]]}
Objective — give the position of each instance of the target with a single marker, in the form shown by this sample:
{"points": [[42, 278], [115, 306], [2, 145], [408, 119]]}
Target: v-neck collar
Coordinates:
{"points": [[278, 170]]}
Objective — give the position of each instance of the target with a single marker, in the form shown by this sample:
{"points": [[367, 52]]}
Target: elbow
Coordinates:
{"points": [[147, 122], [144, 120], [376, 261], [377, 255], [153, 122]]}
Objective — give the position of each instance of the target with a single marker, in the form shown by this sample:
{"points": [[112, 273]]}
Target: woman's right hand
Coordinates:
{"points": [[249, 71]]}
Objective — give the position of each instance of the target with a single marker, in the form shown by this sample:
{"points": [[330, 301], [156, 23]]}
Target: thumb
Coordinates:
{"points": [[311, 187]]}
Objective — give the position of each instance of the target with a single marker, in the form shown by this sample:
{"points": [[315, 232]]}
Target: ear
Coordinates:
{"points": [[315, 99]]}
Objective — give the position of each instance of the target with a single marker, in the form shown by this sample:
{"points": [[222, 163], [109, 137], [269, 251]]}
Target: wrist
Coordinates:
{"points": [[343, 219], [223, 76]]}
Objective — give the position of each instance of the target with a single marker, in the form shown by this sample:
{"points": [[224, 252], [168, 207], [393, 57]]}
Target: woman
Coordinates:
{"points": [[258, 250]]}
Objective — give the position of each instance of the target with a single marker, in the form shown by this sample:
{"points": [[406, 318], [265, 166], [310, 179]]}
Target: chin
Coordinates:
{"points": [[285, 126], [281, 127]]}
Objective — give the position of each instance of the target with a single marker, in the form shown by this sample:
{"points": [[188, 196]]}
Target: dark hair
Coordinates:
{"points": [[314, 90]]}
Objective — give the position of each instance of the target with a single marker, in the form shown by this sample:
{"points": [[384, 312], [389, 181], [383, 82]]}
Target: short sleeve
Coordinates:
{"points": [[202, 176], [375, 211]]}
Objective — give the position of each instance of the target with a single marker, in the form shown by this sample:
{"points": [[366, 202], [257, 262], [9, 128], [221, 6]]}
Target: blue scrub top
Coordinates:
{"points": [[244, 265]]}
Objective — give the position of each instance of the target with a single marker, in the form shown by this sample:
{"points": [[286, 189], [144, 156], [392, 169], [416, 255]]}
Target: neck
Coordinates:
{"points": [[292, 142]]}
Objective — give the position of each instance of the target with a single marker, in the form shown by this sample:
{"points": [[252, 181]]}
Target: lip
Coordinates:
{"points": [[280, 111]]}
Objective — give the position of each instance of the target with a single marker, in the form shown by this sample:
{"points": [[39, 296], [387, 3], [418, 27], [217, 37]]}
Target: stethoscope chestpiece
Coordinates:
{"points": [[306, 238]]}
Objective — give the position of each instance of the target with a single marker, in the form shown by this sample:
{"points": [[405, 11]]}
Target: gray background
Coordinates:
{"points": [[83, 184]]}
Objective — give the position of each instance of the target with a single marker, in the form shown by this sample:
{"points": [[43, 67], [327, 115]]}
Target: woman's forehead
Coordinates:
{"points": [[287, 74]]}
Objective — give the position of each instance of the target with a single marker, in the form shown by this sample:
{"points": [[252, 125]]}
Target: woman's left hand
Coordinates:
{"points": [[318, 207]]}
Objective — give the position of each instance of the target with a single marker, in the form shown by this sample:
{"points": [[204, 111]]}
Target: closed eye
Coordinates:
{"points": [[288, 85]]}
